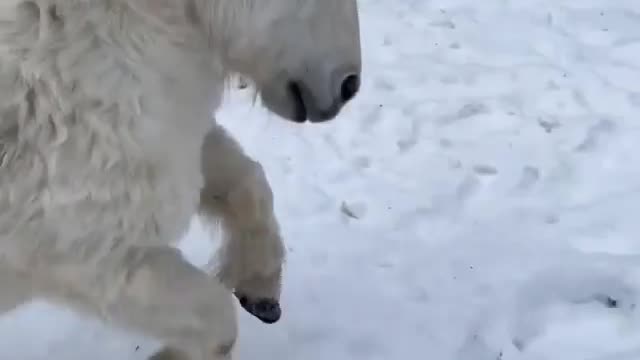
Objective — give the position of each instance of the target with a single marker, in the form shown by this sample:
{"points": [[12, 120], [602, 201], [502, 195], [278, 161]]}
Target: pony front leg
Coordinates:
{"points": [[167, 297], [237, 193], [156, 292]]}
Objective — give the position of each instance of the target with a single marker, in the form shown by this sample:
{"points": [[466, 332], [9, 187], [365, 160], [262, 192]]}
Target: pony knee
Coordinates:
{"points": [[250, 201]]}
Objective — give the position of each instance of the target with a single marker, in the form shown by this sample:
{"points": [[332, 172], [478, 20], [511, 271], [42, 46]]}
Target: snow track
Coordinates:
{"points": [[479, 201]]}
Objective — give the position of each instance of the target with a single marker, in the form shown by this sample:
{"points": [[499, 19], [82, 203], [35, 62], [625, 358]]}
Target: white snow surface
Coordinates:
{"points": [[478, 201]]}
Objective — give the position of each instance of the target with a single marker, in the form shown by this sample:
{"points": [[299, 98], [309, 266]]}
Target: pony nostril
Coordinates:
{"points": [[299, 107], [349, 87]]}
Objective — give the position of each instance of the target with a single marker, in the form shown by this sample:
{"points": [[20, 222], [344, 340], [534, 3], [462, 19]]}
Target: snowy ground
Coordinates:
{"points": [[477, 202]]}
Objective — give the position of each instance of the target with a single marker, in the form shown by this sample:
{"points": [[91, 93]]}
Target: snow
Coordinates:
{"points": [[478, 201]]}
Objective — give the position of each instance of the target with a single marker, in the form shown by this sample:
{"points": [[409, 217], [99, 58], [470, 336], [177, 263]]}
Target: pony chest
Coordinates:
{"points": [[117, 185], [167, 190], [172, 201]]}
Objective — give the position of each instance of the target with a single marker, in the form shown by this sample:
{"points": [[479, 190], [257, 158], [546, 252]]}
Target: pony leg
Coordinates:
{"points": [[156, 292], [237, 193]]}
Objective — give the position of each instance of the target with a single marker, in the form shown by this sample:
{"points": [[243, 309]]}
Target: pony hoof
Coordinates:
{"points": [[267, 310]]}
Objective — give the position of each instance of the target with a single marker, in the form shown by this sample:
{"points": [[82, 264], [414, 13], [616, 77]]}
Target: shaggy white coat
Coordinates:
{"points": [[104, 108]]}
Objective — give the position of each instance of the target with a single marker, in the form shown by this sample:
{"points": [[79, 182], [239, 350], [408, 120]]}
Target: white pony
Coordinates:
{"points": [[108, 149]]}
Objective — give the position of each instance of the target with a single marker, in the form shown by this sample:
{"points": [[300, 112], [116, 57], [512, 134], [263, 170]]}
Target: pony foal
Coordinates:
{"points": [[107, 150]]}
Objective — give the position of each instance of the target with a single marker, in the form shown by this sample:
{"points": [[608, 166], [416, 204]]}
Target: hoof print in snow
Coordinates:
{"points": [[519, 344], [530, 176], [594, 135], [266, 310], [465, 112], [353, 211], [448, 24], [485, 170], [551, 219], [548, 126]]}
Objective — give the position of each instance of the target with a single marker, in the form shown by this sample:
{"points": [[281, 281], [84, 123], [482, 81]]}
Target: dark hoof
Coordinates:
{"points": [[267, 310]]}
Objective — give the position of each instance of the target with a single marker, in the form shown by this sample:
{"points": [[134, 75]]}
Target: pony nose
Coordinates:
{"points": [[349, 87], [317, 100]]}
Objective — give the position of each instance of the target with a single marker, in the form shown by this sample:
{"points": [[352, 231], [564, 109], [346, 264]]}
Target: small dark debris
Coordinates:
{"points": [[607, 301], [137, 347], [611, 303], [485, 170], [548, 126], [346, 210]]}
